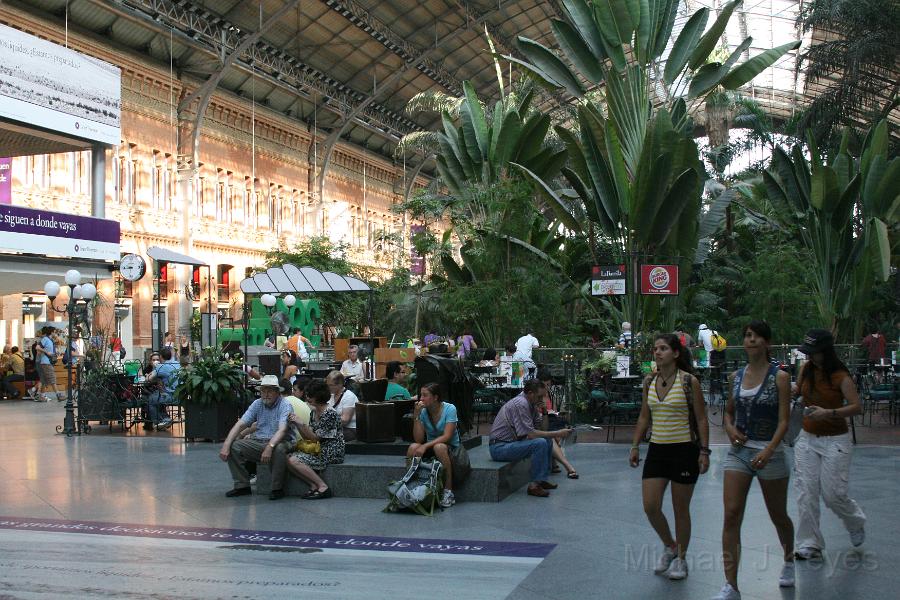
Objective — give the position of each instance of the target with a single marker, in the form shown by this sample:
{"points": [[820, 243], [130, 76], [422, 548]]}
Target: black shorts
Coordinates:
{"points": [[675, 462]]}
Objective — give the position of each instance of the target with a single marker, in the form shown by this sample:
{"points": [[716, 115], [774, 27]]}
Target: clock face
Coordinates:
{"points": [[132, 267]]}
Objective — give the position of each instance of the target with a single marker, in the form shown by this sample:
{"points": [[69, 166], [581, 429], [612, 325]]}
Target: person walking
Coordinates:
{"points": [[756, 420], [823, 450], [678, 452]]}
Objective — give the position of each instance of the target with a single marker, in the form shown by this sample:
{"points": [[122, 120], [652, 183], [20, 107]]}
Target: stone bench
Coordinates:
{"points": [[367, 476]]}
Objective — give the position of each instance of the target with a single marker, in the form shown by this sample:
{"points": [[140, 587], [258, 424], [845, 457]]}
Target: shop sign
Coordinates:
{"points": [[43, 232], [5, 181], [608, 280], [46, 85], [659, 280]]}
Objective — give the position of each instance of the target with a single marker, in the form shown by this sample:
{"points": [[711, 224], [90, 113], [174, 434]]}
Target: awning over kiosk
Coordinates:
{"points": [[165, 255], [290, 279]]}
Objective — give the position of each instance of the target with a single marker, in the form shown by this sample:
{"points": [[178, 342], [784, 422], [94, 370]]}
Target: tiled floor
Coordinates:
{"points": [[604, 544]]}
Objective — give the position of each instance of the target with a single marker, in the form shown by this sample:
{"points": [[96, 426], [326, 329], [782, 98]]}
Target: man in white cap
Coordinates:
{"points": [[268, 445]]}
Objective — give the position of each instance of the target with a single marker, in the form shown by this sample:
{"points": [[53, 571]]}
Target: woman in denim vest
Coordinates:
{"points": [[756, 420]]}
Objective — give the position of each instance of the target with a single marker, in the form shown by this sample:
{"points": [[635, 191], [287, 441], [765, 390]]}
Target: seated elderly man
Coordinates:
{"points": [[268, 445], [352, 367], [515, 434]]}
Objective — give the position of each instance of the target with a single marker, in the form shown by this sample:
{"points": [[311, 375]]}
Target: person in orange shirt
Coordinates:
{"points": [[823, 449]]}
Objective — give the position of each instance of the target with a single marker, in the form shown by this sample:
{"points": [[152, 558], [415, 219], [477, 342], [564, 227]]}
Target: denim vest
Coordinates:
{"points": [[757, 417]]}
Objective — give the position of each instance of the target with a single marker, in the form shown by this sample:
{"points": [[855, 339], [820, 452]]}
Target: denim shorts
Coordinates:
{"points": [[739, 458]]}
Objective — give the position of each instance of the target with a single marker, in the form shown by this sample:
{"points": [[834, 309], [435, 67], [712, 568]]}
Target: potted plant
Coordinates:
{"points": [[213, 395]]}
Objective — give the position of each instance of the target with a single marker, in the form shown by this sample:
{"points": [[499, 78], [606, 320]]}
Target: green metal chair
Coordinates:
{"points": [[132, 367]]}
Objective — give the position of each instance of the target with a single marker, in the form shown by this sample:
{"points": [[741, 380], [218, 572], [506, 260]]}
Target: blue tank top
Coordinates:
{"points": [[757, 417]]}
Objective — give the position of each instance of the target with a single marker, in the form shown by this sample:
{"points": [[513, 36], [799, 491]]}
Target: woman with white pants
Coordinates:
{"points": [[823, 450]]}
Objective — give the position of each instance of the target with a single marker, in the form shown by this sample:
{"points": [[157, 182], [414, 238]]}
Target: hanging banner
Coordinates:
{"points": [[416, 260], [5, 181], [608, 280], [46, 85], [659, 280]]}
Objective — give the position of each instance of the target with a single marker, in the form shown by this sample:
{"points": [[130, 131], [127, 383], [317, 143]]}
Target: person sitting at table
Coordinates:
{"points": [[396, 374], [15, 372], [344, 402], [465, 343], [352, 367], [167, 375], [435, 433], [289, 365], [324, 427], [551, 421], [489, 358], [515, 434], [154, 361], [269, 444]]}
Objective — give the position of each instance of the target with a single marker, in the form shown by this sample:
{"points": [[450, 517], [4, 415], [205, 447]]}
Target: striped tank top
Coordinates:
{"points": [[670, 417]]}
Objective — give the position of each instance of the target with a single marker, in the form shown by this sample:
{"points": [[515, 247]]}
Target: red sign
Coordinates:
{"points": [[659, 279]]}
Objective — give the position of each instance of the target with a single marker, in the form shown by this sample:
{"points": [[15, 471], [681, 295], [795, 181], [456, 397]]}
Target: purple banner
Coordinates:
{"points": [[416, 260], [43, 232], [286, 538], [5, 181]]}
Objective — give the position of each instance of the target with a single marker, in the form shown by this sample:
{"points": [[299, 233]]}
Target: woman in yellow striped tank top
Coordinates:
{"points": [[678, 451]]}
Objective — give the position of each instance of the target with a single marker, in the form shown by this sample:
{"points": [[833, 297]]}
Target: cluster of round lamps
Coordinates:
{"points": [[269, 300], [80, 291]]}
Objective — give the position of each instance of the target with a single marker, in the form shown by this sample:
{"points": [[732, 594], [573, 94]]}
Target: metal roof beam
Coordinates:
{"points": [[215, 35], [409, 52]]}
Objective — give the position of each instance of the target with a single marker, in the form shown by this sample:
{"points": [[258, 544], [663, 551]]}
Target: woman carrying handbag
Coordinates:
{"points": [[678, 451]]}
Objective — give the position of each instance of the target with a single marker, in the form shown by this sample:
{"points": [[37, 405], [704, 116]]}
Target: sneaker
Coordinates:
{"points": [[447, 499], [728, 593], [678, 569], [164, 424], [858, 536], [787, 579], [31, 391], [253, 480], [808, 554], [665, 560]]}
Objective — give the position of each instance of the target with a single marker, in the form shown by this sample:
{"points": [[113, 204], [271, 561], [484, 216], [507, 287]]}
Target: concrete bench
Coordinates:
{"points": [[367, 476]]}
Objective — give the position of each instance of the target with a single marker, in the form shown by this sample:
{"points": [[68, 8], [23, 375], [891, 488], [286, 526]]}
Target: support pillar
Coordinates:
{"points": [[98, 181]]}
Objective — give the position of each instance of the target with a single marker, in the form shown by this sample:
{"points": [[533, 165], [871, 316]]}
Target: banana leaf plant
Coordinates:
{"points": [[844, 210], [633, 163]]}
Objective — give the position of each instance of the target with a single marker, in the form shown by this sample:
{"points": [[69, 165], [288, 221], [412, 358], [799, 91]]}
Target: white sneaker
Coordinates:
{"points": [[858, 536], [787, 575], [447, 499], [665, 560], [728, 593], [678, 570], [808, 554], [253, 480]]}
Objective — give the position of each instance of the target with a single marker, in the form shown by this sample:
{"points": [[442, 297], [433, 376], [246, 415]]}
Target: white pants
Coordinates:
{"points": [[822, 467]]}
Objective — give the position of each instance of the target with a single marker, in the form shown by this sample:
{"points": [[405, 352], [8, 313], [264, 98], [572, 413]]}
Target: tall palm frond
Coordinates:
{"points": [[434, 101]]}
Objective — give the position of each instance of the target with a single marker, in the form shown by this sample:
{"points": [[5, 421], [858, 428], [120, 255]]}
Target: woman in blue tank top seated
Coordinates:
{"points": [[756, 420]]}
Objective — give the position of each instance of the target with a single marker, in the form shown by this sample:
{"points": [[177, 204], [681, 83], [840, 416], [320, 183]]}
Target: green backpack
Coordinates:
{"points": [[419, 490]]}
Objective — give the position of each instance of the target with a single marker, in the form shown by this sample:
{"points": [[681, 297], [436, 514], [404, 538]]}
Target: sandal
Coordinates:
{"points": [[572, 474], [317, 495]]}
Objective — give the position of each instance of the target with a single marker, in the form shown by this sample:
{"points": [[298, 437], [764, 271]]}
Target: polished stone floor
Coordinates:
{"points": [[144, 516]]}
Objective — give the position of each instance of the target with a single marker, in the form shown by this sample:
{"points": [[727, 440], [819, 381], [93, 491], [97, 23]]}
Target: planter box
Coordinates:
{"points": [[209, 421]]}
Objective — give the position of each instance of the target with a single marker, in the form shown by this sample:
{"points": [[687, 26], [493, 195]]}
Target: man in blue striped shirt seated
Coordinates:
{"points": [[268, 445]]}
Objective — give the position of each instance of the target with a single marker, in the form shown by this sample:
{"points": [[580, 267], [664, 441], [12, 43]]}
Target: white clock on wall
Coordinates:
{"points": [[132, 267]]}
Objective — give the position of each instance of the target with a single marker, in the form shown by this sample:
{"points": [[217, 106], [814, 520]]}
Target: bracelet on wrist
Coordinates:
{"points": [[635, 447]]}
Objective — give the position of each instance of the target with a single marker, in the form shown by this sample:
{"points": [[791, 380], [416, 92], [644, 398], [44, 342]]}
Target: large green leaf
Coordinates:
{"points": [[710, 39], [577, 51], [576, 157], [478, 120], [746, 71], [601, 177], [642, 29], [549, 63], [456, 147], [559, 208], [508, 139], [547, 167], [885, 192], [650, 194], [532, 138], [881, 248], [582, 17], [686, 42], [617, 19], [469, 138], [706, 79], [452, 179], [676, 200], [629, 109], [742, 47], [667, 11]]}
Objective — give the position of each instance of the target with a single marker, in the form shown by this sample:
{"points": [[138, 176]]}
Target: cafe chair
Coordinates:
{"points": [[132, 367]]}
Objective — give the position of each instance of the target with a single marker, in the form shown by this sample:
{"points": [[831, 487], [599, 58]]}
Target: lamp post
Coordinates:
{"points": [[77, 292]]}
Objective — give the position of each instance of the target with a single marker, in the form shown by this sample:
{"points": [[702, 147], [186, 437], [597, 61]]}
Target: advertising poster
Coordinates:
{"points": [[659, 279], [608, 280], [49, 86]]}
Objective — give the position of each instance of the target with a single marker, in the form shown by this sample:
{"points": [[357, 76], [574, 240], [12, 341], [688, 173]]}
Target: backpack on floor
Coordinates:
{"points": [[419, 490]]}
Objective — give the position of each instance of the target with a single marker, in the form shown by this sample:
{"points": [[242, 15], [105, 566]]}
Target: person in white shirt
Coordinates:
{"points": [[344, 402], [524, 347], [705, 336], [352, 367]]}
